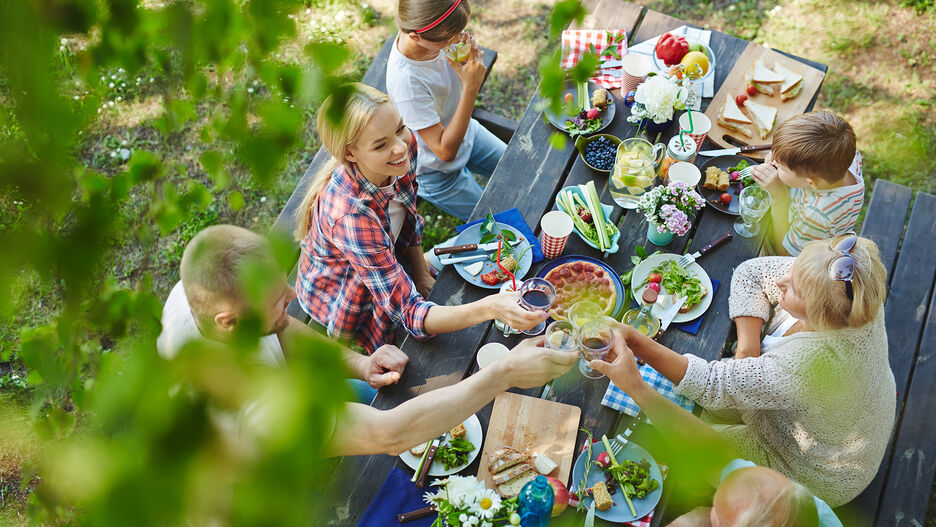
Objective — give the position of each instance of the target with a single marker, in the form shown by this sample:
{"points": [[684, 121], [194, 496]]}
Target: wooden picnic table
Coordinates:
{"points": [[528, 177]]}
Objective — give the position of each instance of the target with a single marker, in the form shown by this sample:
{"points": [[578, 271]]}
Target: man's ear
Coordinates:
{"points": [[226, 320]]}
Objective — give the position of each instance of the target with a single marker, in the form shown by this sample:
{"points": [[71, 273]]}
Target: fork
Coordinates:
{"points": [[619, 441], [745, 172], [688, 258]]}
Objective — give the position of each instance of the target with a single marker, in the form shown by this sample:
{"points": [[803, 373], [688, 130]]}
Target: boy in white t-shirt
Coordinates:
{"points": [[813, 175], [435, 97]]}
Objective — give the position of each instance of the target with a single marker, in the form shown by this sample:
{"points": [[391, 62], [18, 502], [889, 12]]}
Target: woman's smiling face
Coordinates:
{"points": [[381, 152]]}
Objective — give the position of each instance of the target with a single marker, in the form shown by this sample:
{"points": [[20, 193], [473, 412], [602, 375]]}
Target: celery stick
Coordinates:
{"points": [[594, 205]]}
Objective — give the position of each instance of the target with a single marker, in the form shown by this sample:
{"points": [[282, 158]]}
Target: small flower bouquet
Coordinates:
{"points": [[669, 207], [659, 97], [463, 501]]}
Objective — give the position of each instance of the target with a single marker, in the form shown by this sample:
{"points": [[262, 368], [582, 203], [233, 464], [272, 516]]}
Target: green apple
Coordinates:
{"points": [[695, 46]]}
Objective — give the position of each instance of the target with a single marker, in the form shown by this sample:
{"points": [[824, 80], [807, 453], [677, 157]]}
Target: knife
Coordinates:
{"points": [[735, 150], [433, 447], [469, 247], [460, 259], [670, 313], [687, 259], [416, 514]]}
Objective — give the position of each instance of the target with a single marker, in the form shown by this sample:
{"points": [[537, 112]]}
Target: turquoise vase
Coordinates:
{"points": [[656, 237], [656, 128]]}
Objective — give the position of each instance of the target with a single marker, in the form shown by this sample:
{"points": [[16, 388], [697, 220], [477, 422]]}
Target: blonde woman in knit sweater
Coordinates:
{"points": [[814, 398]]}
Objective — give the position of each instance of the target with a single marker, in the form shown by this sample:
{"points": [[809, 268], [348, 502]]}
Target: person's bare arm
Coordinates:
{"points": [[383, 367], [749, 336], [444, 141], [502, 306], [767, 177], [364, 430], [667, 362]]}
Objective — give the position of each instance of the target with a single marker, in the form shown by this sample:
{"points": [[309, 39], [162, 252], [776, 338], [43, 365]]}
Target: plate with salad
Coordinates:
{"points": [[726, 200], [516, 258], [455, 453], [586, 109], [581, 203], [634, 473], [691, 281]]}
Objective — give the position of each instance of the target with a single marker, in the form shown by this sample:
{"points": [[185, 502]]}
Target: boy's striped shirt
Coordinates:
{"points": [[823, 214]]}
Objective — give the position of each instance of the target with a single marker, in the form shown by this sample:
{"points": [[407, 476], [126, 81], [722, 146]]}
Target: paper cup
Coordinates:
{"points": [[490, 352], [555, 229], [634, 70], [701, 126], [685, 172]]}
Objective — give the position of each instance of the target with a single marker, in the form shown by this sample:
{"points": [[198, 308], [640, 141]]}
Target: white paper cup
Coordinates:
{"points": [[685, 172], [490, 352], [555, 229], [700, 124], [634, 70]]}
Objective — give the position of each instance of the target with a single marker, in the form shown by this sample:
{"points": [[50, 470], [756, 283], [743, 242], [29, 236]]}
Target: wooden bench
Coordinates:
{"points": [[899, 493], [376, 76]]}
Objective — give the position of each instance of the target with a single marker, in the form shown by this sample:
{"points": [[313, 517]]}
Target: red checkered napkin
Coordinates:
{"points": [[575, 43]]}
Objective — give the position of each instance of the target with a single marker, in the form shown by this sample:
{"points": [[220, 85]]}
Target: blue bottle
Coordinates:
{"points": [[536, 503]]}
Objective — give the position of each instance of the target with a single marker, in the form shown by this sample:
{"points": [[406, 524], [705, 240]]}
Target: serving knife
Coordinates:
{"points": [[469, 247], [734, 150], [433, 447]]}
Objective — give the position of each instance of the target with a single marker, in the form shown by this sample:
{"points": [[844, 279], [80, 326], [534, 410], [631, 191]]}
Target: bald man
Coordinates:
{"points": [[209, 303], [746, 495]]}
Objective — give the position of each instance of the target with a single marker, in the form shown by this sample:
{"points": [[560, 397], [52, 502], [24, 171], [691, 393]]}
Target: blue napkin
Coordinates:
{"points": [[398, 495], [513, 218], [691, 327], [615, 398]]}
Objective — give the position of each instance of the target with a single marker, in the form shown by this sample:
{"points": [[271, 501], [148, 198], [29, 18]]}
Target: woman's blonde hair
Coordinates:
{"points": [[827, 305], [361, 104], [416, 14]]}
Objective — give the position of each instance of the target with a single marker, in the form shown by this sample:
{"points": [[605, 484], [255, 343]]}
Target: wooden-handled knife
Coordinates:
{"points": [[416, 514]]}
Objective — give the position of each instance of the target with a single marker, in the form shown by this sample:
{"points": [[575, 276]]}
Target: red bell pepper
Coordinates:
{"points": [[671, 48]]}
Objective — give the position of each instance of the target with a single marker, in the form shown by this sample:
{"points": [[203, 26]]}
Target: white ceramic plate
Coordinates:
{"points": [[475, 435], [642, 271]]}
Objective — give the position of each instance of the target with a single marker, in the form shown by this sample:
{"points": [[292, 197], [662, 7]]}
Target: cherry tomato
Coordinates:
{"points": [[739, 100], [656, 278], [751, 90], [654, 285], [569, 98], [725, 198]]}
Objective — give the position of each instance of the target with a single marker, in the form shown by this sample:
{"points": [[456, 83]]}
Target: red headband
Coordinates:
{"points": [[440, 19]]}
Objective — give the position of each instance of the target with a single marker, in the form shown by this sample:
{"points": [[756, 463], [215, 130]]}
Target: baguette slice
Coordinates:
{"points": [[515, 471], [513, 487], [501, 453], [505, 462], [419, 449]]}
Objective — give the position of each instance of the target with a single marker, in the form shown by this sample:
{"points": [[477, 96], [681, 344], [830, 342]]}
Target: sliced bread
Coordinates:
{"points": [[506, 475], [513, 487]]}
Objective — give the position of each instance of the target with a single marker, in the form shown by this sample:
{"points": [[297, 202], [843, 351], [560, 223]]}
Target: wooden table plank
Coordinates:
{"points": [[913, 468], [884, 222], [904, 318]]}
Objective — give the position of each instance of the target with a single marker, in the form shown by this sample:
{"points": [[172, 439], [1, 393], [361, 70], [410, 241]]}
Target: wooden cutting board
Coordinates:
{"points": [[534, 426], [736, 83]]}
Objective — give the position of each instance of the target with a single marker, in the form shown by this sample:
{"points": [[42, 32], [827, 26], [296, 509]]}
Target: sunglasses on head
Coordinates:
{"points": [[842, 268]]}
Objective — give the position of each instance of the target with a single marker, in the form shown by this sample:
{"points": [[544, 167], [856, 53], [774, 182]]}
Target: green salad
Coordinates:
{"points": [[634, 478], [455, 452], [680, 281]]}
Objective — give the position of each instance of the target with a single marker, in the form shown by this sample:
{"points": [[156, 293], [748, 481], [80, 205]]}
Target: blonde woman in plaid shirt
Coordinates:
{"points": [[358, 212]]}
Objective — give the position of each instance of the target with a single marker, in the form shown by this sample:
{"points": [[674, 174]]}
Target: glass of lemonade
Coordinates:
{"points": [[459, 50], [634, 169]]}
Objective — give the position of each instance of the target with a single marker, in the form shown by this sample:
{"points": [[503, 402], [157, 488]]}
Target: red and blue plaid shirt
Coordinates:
{"points": [[349, 278]]}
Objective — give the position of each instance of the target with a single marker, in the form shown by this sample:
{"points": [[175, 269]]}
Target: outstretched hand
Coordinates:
{"points": [[622, 368], [530, 364]]}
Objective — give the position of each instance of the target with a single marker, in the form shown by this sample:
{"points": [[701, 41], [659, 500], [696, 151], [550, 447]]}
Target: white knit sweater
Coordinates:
{"points": [[818, 406]]}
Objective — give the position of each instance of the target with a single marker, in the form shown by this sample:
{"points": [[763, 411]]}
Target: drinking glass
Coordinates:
{"points": [[753, 203], [459, 50], [537, 294], [500, 324], [634, 169], [560, 335], [584, 311], [594, 339]]}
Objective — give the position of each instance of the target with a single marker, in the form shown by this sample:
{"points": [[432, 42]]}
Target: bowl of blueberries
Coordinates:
{"points": [[598, 151]]}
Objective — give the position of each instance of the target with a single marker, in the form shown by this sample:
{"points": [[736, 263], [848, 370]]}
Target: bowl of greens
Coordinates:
{"points": [[581, 203]]}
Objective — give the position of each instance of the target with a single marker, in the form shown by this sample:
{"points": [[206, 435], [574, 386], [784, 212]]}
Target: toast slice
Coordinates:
{"points": [[513, 487], [792, 83], [732, 118], [764, 117]]}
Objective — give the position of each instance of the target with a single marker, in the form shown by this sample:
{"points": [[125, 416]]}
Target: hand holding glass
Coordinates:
{"points": [[560, 335], [595, 339], [537, 294]]}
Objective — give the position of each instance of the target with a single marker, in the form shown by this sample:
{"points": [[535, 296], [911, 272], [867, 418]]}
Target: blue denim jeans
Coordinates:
{"points": [[363, 393], [458, 193]]}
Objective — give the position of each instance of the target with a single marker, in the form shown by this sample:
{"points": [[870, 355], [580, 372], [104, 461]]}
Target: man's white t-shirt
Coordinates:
{"points": [[179, 328], [426, 92]]}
